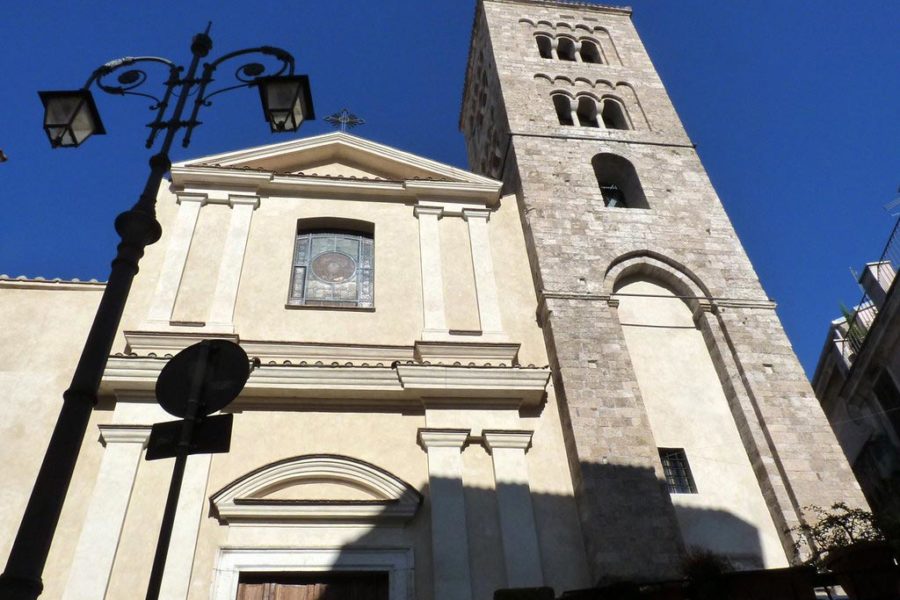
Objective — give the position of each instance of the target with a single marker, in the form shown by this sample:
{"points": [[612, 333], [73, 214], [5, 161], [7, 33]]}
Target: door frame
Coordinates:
{"points": [[396, 562]]}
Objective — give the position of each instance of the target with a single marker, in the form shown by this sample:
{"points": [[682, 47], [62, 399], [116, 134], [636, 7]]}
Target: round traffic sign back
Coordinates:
{"points": [[214, 371]]}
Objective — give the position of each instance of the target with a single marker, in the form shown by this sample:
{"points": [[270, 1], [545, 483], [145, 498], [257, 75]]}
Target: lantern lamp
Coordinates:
{"points": [[70, 117], [286, 100]]}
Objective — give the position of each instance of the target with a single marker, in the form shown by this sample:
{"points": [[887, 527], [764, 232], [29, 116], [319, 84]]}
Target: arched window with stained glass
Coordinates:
{"points": [[333, 267]]}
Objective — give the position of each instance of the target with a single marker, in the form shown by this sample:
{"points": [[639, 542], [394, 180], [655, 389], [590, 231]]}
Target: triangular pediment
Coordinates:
{"points": [[341, 155], [316, 488]]}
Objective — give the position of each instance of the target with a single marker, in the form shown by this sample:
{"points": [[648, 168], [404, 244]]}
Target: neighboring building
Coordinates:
{"points": [[856, 381], [557, 371]]}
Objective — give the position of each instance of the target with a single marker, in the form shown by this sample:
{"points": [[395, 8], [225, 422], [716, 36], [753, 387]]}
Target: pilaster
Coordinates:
{"points": [[169, 280], [99, 539], [483, 267], [521, 551], [221, 314], [450, 543], [191, 504], [435, 320]]}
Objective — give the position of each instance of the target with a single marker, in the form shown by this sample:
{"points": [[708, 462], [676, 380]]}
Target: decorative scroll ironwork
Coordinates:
{"points": [[131, 76]]}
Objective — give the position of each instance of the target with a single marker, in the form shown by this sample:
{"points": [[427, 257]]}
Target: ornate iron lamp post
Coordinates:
{"points": [[70, 118]]}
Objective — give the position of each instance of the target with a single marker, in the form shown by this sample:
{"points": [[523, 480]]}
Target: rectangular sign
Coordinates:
{"points": [[211, 435]]}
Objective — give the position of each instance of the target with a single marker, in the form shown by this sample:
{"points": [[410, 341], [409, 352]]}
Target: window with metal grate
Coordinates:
{"points": [[678, 472]]}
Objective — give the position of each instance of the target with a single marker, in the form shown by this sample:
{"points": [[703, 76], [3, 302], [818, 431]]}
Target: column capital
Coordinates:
{"points": [[476, 213], [238, 200], [436, 211], [507, 438], [124, 434], [442, 438], [192, 197]]}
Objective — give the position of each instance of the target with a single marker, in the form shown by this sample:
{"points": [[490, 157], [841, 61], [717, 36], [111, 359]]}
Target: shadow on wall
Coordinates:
{"points": [[630, 551], [722, 533], [645, 536]]}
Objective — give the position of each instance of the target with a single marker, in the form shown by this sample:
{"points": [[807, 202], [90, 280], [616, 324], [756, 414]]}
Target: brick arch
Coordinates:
{"points": [[583, 94], [625, 89], [657, 267], [778, 491], [625, 114]]}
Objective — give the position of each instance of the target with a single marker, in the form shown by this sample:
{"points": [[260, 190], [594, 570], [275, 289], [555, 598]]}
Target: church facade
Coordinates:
{"points": [[555, 369]]}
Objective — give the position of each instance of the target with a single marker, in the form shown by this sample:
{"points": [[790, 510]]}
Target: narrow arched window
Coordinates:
{"points": [[587, 112], [613, 115], [565, 49], [618, 182], [590, 52], [333, 265], [563, 106], [544, 46], [613, 197]]}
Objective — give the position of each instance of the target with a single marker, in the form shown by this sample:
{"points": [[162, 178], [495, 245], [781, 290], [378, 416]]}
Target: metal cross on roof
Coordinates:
{"points": [[345, 120]]}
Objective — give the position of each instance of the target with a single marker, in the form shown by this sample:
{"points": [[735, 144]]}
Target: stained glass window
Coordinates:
{"points": [[333, 268]]}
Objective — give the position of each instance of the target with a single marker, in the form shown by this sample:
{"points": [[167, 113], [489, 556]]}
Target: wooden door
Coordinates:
{"points": [[314, 586]]}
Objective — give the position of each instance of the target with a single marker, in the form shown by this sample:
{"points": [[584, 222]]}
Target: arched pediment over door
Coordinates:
{"points": [[316, 488]]}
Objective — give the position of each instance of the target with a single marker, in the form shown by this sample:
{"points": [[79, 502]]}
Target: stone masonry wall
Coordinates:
{"points": [[575, 240]]}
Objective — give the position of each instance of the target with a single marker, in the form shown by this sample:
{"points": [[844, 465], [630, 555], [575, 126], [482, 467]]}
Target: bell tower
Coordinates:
{"points": [[689, 420]]}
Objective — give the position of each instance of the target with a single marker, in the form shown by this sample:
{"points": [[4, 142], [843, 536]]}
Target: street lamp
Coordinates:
{"points": [[71, 118], [286, 101]]}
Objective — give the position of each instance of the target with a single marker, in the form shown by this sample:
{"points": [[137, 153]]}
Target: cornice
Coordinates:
{"points": [[603, 8], [398, 385], [443, 438], [39, 283], [483, 382], [194, 179], [519, 439], [124, 434], [711, 304], [464, 353], [404, 384], [337, 139], [162, 343]]}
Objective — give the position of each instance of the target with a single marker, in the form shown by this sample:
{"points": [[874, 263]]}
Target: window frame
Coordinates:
{"points": [[305, 233], [597, 52], [545, 44], [612, 103], [562, 105], [679, 478]]}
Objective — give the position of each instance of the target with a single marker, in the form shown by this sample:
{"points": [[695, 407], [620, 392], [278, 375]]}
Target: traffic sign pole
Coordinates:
{"points": [[184, 447]]}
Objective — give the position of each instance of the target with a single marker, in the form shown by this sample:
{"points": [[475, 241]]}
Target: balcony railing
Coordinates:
{"points": [[876, 280]]}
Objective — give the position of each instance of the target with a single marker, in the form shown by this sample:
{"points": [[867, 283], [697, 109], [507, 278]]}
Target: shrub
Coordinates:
{"points": [[838, 526]]}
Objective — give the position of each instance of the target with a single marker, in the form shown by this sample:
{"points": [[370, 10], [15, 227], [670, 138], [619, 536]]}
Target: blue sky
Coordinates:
{"points": [[793, 105]]}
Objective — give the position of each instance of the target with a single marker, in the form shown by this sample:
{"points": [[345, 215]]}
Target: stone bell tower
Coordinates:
{"points": [[689, 421]]}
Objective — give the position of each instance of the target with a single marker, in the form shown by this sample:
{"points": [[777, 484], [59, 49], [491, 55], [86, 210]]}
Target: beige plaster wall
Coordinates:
{"points": [[260, 312], [202, 268], [386, 439], [515, 287], [688, 409], [44, 326], [459, 276]]}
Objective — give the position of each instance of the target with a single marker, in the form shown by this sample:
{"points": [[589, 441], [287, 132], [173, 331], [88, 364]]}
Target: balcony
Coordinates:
{"points": [[852, 329]]}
